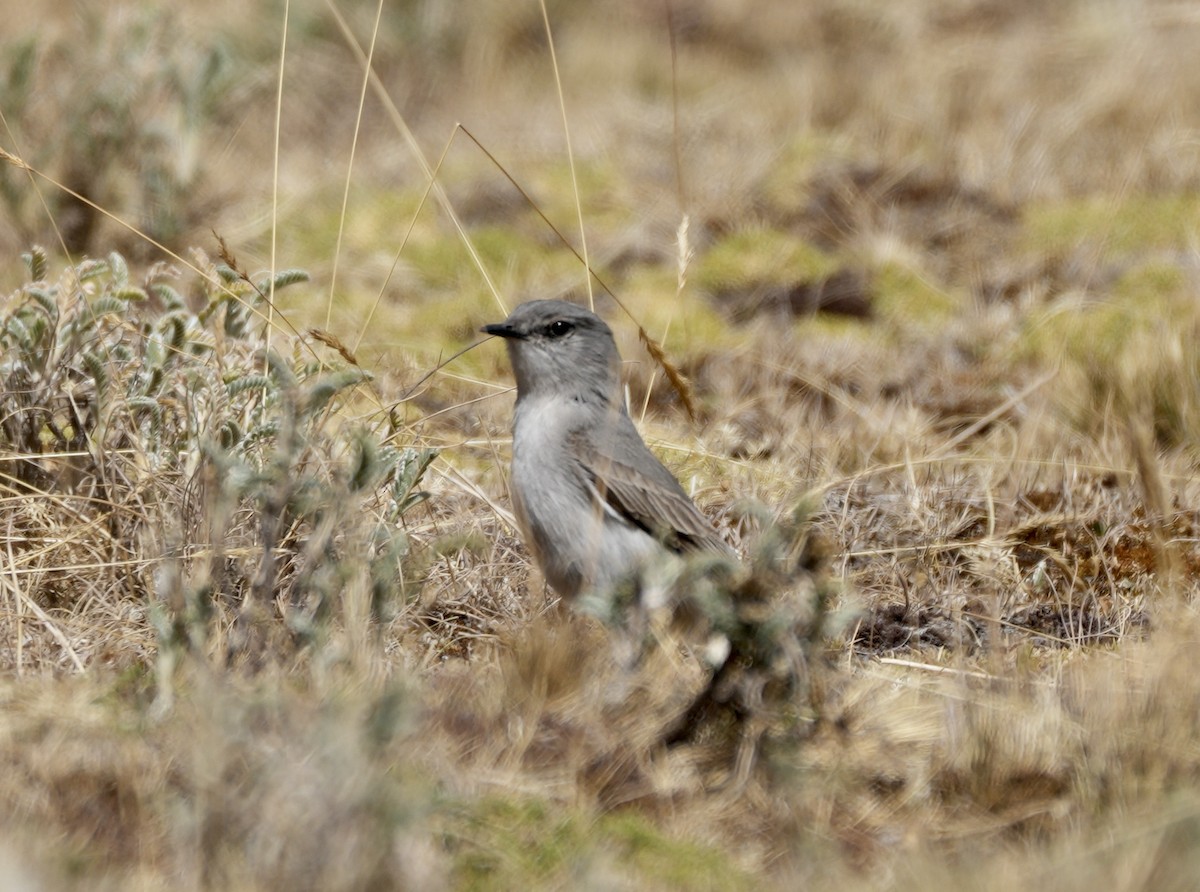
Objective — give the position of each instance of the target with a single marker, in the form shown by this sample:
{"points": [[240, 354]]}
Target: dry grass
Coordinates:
{"points": [[934, 299]]}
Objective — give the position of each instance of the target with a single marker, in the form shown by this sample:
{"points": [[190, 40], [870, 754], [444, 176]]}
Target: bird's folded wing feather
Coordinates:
{"points": [[635, 485]]}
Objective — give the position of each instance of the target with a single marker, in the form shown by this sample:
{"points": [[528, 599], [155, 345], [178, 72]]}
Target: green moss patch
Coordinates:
{"points": [[685, 324], [503, 844], [1117, 225], [1098, 331], [904, 296], [1132, 349], [760, 256]]}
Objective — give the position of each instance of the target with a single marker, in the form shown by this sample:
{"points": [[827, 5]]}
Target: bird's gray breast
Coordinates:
{"points": [[579, 542]]}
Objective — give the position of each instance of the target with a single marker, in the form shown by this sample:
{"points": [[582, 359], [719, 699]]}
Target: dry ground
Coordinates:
{"points": [[931, 270]]}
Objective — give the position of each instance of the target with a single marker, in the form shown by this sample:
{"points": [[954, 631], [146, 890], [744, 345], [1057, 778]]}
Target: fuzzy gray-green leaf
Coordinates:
{"points": [[171, 299], [283, 278], [329, 385], [108, 305], [98, 369], [44, 300], [249, 382], [91, 269], [120, 270], [35, 262]]}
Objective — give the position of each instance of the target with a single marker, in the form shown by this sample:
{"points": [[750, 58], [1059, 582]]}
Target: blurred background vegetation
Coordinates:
{"points": [[944, 142]]}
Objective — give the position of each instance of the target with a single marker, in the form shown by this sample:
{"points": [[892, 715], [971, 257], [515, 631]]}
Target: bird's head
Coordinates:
{"points": [[557, 347]]}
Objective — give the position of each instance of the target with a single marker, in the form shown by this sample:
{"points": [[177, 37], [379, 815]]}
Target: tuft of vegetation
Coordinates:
{"points": [[205, 460]]}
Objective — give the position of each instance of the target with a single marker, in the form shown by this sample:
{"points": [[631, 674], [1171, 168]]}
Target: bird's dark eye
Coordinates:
{"points": [[559, 328]]}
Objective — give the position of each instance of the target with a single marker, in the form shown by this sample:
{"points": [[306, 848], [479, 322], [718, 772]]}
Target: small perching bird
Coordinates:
{"points": [[605, 520], [594, 504]]}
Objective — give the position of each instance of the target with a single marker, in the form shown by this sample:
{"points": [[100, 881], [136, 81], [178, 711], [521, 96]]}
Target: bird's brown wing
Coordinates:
{"points": [[634, 484]]}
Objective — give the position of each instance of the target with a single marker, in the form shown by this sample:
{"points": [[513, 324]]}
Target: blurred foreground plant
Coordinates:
{"points": [[706, 671]]}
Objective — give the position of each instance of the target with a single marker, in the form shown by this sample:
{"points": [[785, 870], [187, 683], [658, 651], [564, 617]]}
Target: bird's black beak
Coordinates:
{"points": [[501, 330]]}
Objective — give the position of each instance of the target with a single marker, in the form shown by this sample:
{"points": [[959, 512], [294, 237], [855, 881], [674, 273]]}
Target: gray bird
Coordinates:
{"points": [[593, 503]]}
